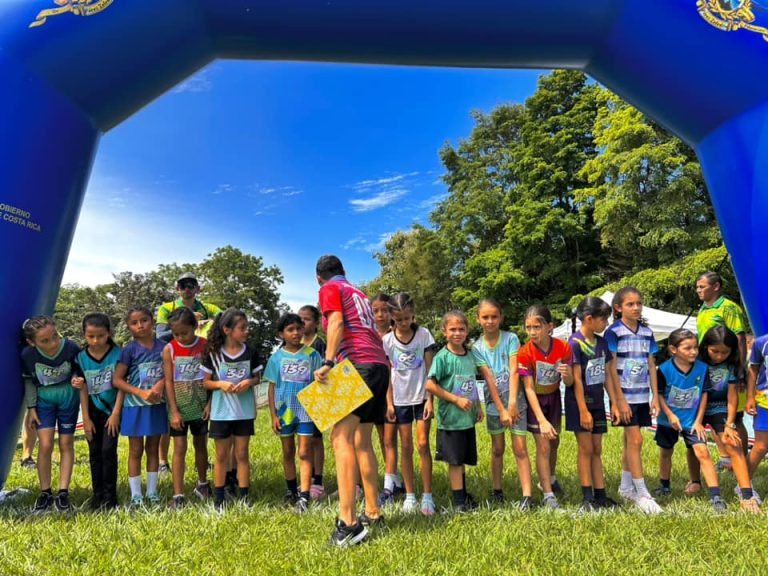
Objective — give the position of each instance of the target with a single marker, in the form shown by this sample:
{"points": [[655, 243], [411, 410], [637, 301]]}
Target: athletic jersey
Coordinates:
{"points": [[99, 376], [191, 396], [496, 358], [361, 343], [720, 377], [758, 358], [408, 375], [682, 391], [456, 374], [632, 349], [291, 372], [592, 359], [722, 312], [223, 367], [50, 375], [542, 364], [145, 368], [317, 343]]}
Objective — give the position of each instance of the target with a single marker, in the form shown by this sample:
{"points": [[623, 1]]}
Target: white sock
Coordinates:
{"points": [[553, 479], [389, 482], [548, 494], [426, 496], [626, 480], [151, 483], [410, 497], [640, 487], [398, 480], [135, 484]]}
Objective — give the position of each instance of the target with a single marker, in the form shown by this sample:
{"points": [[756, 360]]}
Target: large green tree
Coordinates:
{"points": [[228, 277]]}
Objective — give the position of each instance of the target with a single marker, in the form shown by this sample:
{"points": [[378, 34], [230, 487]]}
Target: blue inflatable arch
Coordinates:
{"points": [[71, 70]]}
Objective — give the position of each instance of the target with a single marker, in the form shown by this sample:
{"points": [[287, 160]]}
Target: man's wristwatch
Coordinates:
{"points": [[732, 426], [329, 363]]}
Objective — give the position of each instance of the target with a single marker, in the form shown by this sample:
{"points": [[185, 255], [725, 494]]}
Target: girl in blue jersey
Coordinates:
{"points": [[495, 354], [231, 371], [289, 370], [139, 374], [682, 383], [633, 366], [101, 404], [47, 369], [720, 350]]}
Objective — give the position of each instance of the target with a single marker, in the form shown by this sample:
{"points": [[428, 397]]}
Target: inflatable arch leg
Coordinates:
{"points": [[38, 210]]}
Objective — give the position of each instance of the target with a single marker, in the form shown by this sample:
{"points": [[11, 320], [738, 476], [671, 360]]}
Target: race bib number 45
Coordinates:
{"points": [[466, 387]]}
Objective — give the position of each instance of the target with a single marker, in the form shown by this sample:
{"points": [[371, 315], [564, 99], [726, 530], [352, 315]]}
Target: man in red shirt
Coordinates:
{"points": [[348, 323]]}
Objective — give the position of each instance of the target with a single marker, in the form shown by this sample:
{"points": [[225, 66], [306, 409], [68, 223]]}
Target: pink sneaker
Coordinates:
{"points": [[316, 491]]}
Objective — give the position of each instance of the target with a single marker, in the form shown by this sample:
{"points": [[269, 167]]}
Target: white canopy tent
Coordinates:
{"points": [[662, 323]]}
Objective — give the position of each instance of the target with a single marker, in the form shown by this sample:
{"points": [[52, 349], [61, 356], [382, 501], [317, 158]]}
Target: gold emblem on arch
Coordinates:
{"points": [[76, 7], [732, 15]]}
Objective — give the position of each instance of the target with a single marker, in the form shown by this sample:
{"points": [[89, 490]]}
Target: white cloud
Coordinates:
{"points": [[366, 244], [379, 200], [223, 189], [383, 182]]}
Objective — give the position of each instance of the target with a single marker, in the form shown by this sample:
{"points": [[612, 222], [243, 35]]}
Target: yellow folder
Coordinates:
{"points": [[328, 403]]}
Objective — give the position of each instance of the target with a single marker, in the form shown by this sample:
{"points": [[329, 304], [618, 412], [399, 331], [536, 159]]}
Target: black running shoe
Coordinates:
{"points": [[344, 536], [377, 523], [43, 503], [62, 502], [606, 503]]}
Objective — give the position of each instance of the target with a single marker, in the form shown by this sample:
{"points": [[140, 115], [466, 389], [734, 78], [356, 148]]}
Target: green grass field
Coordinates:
{"points": [[266, 538]]}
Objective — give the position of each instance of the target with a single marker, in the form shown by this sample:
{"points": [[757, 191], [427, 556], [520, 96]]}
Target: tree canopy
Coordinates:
{"points": [[228, 277], [570, 193]]}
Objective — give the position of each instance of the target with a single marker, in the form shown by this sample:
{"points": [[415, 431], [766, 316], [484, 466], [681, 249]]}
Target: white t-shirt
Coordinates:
{"points": [[409, 373]]}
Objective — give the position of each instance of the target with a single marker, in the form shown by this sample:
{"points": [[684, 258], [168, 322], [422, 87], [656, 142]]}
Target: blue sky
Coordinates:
{"points": [[286, 161]]}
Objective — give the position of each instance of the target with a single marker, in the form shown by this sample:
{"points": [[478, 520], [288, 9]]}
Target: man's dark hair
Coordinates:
{"points": [[329, 266], [712, 278]]}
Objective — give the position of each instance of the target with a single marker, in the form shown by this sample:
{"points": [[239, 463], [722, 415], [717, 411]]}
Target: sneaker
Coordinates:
{"points": [[153, 499], [750, 506], [377, 523], [290, 498], [108, 504], [718, 504], [137, 501], [28, 463], [344, 536], [606, 503], [302, 505], [525, 504], [755, 495], [692, 488], [398, 490], [496, 499], [96, 504], [550, 502], [385, 498], [62, 502], [219, 507], [662, 491], [317, 491], [410, 505], [630, 495], [202, 490], [557, 489], [648, 505], [427, 507], [587, 507], [43, 503], [178, 502], [164, 468]]}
